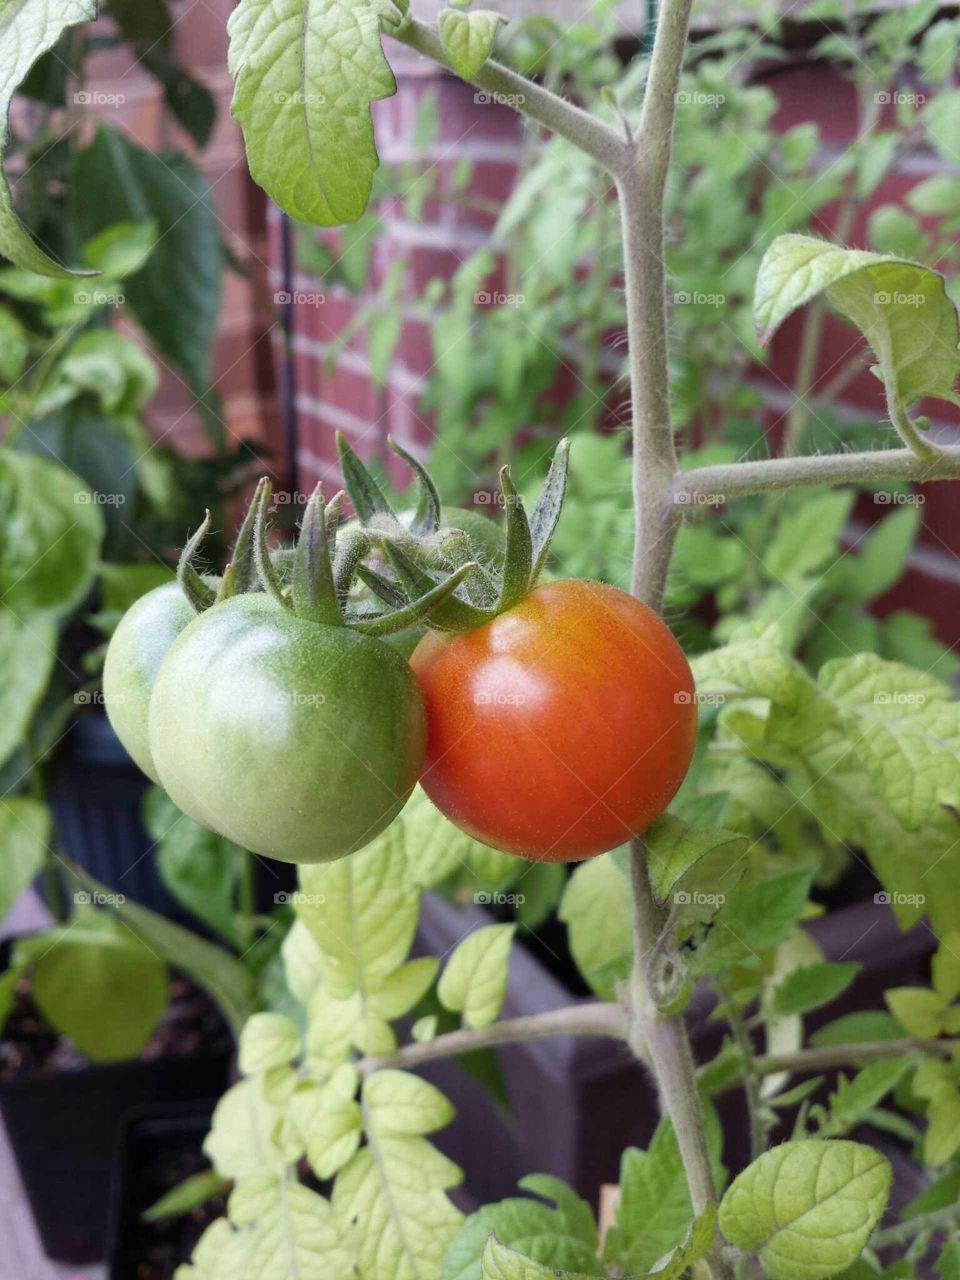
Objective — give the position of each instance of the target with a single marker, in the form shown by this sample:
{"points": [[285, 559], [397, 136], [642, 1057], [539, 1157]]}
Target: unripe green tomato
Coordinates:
{"points": [[136, 649], [297, 740]]}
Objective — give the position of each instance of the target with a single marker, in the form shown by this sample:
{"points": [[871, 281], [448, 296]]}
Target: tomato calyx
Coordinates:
{"points": [[417, 550]]}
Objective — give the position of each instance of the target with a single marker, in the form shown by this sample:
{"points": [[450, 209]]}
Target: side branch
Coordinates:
{"points": [[593, 1019], [710, 486], [585, 131], [850, 1055]]}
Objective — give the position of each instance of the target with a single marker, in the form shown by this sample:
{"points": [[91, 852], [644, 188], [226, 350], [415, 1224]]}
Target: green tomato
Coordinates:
{"points": [[136, 649], [296, 740]]}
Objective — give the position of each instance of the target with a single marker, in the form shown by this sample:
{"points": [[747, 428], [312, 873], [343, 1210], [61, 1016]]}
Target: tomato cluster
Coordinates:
{"points": [[552, 721]]}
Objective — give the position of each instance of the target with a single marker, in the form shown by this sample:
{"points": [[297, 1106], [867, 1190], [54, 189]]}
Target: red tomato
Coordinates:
{"points": [[562, 727]]}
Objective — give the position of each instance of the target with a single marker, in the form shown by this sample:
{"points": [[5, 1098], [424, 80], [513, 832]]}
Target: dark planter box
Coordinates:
{"points": [[64, 1130], [575, 1103], [159, 1146]]}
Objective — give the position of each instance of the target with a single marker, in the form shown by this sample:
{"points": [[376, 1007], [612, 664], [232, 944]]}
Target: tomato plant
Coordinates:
{"points": [[562, 727]]}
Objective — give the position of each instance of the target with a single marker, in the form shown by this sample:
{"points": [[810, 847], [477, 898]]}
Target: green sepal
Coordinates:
{"points": [[228, 584], [518, 558], [314, 592], [265, 566], [426, 518], [243, 562], [193, 586], [546, 512], [331, 519], [366, 495], [387, 591], [417, 611], [354, 545], [453, 614]]}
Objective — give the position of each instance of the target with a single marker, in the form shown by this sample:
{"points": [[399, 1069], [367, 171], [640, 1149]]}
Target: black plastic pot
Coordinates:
{"points": [[575, 1104], [96, 794], [159, 1147], [64, 1129]]}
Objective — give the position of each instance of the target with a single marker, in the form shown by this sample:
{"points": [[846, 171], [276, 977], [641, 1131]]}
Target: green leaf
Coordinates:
{"points": [[891, 229], [882, 556], [121, 250], [306, 72], [855, 1098], [596, 910], [122, 585], [935, 196], [857, 1028], [52, 533], [99, 985], [501, 1263], [27, 655], [941, 123], [753, 920], [187, 1196], [561, 1234], [14, 347], [176, 294], [390, 1200], [268, 1040], [947, 1265], [807, 1208], [936, 1082], [655, 1214], [288, 1232], [242, 1138], [329, 1121], [920, 1012], [901, 308], [474, 981], [198, 867], [808, 536], [811, 986], [945, 967], [28, 28], [24, 837], [674, 847], [468, 38]]}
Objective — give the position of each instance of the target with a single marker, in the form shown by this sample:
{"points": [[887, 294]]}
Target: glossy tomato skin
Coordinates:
{"points": [[136, 649], [562, 727], [296, 740]]}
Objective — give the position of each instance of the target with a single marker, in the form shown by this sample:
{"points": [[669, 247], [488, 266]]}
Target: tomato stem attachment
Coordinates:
{"points": [[265, 566], [200, 595], [314, 592]]}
